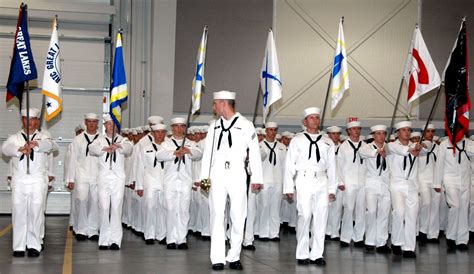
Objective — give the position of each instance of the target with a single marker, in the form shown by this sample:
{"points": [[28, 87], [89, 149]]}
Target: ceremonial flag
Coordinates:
{"points": [[270, 82], [22, 67], [52, 77], [340, 72], [198, 80], [456, 86], [420, 74], [119, 92]]}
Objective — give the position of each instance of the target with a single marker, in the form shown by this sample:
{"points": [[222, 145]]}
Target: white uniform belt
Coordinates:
{"points": [[311, 173]]}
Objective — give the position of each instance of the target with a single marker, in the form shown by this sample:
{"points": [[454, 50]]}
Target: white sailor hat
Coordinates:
{"points": [[34, 112], [278, 136], [133, 131], [224, 95], [139, 130], [158, 127], [378, 128], [204, 129], [402, 124], [368, 137], [125, 130], [392, 137], [91, 116], [436, 138], [153, 120], [287, 134], [311, 110], [334, 129], [178, 120], [37, 112], [353, 124], [191, 130], [271, 125], [260, 131], [415, 134], [429, 126], [344, 137], [146, 128], [81, 126], [106, 117]]}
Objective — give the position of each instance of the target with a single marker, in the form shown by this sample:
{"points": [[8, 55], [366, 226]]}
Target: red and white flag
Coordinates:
{"points": [[420, 74]]}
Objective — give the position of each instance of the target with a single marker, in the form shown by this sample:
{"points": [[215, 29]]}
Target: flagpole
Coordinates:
{"points": [[326, 101], [27, 87], [257, 101], [186, 130]]}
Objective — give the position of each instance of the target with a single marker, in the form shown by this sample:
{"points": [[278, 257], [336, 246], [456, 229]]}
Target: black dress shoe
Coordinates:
{"points": [[327, 237], [276, 239], [319, 261], [422, 238], [462, 247], [114, 247], [433, 241], [359, 244], [197, 234], [397, 250], [149, 241], [369, 248], [384, 249], [248, 247], [335, 239], [42, 247], [451, 244], [94, 238], [236, 265], [292, 230], [33, 252], [124, 225], [409, 254], [264, 239], [171, 246], [218, 267], [18, 254], [81, 237], [256, 237], [206, 238], [70, 227], [303, 261], [162, 241], [344, 244], [183, 246], [103, 247]]}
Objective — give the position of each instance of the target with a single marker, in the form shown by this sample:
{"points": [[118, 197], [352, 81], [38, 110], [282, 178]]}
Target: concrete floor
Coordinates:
{"points": [[270, 257]]}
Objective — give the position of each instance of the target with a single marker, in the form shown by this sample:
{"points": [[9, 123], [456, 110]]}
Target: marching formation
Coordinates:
{"points": [[382, 196]]}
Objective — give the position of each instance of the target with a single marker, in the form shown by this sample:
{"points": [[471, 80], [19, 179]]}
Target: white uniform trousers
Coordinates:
{"points": [[126, 206], [195, 211], [177, 214], [471, 207], [137, 209], [251, 225], [443, 211], [312, 205], [72, 212], [404, 214], [334, 216], [110, 191], [87, 208], [204, 221], [28, 213], [378, 205], [269, 202], [458, 203], [155, 214], [353, 202], [429, 211], [229, 183]]}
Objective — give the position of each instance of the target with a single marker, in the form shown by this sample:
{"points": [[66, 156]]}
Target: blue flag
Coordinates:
{"points": [[119, 92], [22, 67]]}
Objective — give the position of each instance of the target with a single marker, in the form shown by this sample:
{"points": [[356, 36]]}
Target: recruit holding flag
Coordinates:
{"points": [[119, 92], [420, 74], [270, 81], [198, 80], [456, 86], [340, 70], [52, 77], [22, 67]]}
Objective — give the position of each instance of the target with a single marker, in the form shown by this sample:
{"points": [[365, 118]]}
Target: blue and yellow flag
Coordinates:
{"points": [[119, 91], [22, 67], [340, 72]]}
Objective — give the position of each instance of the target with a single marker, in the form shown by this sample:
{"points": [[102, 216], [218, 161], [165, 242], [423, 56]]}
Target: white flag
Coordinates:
{"points": [[52, 77], [420, 73], [270, 81], [340, 71], [198, 80]]}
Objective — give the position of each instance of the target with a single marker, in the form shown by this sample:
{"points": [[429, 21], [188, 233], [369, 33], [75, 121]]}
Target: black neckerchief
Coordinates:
{"points": [[461, 150], [356, 149], [32, 153], [429, 153], [412, 161], [311, 143], [272, 157], [380, 160], [114, 155], [229, 135], [89, 142], [177, 148], [156, 160]]}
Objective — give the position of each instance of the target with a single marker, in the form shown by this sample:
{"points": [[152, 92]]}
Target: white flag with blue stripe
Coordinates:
{"points": [[340, 72], [270, 81], [198, 80]]}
